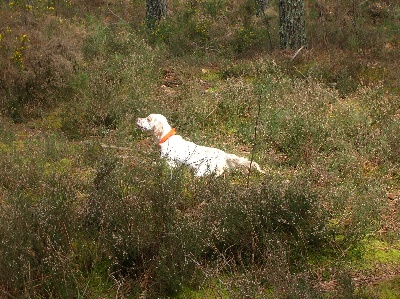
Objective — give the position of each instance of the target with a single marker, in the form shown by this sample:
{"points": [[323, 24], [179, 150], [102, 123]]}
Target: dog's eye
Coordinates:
{"points": [[149, 119]]}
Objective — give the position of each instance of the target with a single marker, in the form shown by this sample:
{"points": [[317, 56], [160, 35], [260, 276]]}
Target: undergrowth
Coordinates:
{"points": [[89, 210]]}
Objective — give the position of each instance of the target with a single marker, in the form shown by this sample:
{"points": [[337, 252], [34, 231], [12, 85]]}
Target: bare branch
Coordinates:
{"points": [[115, 147], [297, 52]]}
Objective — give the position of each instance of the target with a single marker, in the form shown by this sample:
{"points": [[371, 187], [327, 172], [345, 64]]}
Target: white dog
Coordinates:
{"points": [[204, 160]]}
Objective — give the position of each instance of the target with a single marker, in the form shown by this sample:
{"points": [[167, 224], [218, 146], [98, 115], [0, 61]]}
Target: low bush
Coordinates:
{"points": [[38, 56], [89, 208], [110, 89]]}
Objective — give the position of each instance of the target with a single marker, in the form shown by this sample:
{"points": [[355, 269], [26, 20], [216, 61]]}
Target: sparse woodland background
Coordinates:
{"points": [[87, 208]]}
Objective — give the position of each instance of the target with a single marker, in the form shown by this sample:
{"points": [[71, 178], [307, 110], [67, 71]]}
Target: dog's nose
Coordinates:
{"points": [[139, 123]]}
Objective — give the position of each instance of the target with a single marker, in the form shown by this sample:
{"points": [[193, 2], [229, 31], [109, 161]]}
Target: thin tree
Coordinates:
{"points": [[155, 11], [292, 28], [261, 6]]}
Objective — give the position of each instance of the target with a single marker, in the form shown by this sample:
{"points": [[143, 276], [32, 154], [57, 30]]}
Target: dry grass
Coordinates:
{"points": [[86, 220]]}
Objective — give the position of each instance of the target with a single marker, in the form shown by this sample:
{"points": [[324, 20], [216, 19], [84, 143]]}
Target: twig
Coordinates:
{"points": [[115, 147], [121, 19], [210, 113], [297, 52], [255, 139], [300, 72], [262, 11]]}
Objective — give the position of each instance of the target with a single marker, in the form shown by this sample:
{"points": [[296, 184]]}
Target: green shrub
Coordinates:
{"points": [[109, 89], [37, 235], [38, 56], [89, 210]]}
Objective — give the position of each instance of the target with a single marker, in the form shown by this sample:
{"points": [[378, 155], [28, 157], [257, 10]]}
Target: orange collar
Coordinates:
{"points": [[169, 134]]}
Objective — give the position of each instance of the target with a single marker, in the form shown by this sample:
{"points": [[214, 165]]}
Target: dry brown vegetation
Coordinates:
{"points": [[87, 208]]}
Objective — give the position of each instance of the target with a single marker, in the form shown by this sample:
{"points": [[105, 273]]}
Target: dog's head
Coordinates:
{"points": [[154, 122]]}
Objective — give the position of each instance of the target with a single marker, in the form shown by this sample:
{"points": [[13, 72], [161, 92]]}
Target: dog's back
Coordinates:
{"points": [[204, 160]]}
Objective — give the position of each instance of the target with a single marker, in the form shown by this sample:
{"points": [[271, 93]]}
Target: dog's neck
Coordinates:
{"points": [[166, 136], [161, 129]]}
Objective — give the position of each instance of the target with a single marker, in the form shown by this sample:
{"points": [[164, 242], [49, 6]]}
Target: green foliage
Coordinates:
{"points": [[108, 88], [36, 62], [89, 210], [248, 38]]}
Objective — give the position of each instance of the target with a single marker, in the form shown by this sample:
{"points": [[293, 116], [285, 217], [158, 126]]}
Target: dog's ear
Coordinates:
{"points": [[158, 129]]}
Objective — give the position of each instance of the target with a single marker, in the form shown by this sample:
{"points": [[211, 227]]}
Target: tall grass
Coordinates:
{"points": [[89, 210], [78, 213], [119, 79]]}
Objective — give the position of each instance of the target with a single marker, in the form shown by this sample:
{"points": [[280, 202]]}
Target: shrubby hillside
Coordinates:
{"points": [[87, 208]]}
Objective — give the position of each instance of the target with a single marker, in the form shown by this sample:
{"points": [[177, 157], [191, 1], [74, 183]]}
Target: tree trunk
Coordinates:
{"points": [[155, 11], [292, 29]]}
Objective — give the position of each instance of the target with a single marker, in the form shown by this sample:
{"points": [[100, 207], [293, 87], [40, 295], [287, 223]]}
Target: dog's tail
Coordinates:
{"points": [[234, 161]]}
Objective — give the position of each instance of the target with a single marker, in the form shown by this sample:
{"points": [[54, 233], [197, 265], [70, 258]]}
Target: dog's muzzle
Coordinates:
{"points": [[140, 125]]}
